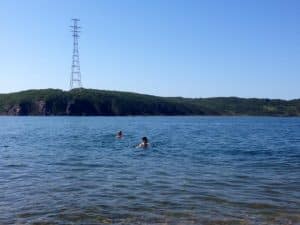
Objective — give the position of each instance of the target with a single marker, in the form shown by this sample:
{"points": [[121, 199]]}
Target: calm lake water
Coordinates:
{"points": [[198, 170]]}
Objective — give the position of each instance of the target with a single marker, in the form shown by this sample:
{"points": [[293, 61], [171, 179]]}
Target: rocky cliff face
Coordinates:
{"points": [[71, 107], [90, 102], [14, 110], [30, 108]]}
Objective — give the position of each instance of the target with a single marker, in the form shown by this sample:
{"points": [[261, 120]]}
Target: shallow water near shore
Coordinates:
{"points": [[198, 170]]}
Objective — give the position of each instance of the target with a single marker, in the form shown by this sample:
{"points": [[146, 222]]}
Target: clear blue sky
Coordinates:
{"points": [[246, 48]]}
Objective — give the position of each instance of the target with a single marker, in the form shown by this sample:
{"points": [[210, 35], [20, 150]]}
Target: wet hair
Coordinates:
{"points": [[145, 139], [119, 134]]}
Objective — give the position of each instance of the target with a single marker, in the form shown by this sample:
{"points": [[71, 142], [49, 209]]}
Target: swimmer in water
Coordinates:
{"points": [[144, 143], [119, 134]]}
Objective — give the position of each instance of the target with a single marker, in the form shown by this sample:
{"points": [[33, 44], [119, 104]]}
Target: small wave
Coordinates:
{"points": [[5, 146], [16, 165], [227, 222]]}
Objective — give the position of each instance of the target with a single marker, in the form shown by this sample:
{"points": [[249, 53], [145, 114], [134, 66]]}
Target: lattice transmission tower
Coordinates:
{"points": [[75, 81]]}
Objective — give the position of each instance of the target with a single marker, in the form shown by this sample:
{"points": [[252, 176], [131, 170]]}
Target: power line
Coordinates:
{"points": [[75, 81]]}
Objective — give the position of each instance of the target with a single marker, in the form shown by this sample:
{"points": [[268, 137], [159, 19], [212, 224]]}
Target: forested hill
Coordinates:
{"points": [[98, 102]]}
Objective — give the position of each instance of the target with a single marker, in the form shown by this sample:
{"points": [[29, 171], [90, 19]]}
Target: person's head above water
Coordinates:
{"points": [[145, 140], [144, 143], [120, 134]]}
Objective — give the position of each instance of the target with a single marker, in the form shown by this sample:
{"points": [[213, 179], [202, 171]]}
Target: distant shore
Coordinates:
{"points": [[91, 102]]}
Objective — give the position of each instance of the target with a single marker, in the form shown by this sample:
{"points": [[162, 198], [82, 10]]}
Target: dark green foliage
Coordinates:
{"points": [[99, 102]]}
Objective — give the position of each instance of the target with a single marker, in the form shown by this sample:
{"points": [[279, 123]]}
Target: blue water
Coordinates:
{"points": [[198, 170]]}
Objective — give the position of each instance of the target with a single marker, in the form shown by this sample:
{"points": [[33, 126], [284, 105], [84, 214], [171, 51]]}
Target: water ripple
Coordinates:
{"points": [[198, 170]]}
